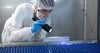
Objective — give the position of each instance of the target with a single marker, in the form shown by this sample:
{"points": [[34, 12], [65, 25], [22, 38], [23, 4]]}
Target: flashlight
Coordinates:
{"points": [[46, 27]]}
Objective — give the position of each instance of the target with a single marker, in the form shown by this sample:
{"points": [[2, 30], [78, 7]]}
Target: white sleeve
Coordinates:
{"points": [[21, 35], [18, 16]]}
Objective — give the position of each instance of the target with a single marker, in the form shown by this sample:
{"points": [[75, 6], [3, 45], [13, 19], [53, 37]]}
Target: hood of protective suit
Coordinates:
{"points": [[45, 4]]}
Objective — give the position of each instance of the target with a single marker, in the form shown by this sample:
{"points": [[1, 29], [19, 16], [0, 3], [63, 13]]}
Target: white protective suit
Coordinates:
{"points": [[18, 27]]}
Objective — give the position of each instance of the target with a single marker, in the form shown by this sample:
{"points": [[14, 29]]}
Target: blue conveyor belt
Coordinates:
{"points": [[57, 48]]}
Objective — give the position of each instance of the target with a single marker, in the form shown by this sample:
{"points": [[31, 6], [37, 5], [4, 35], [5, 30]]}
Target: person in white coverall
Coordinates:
{"points": [[21, 28]]}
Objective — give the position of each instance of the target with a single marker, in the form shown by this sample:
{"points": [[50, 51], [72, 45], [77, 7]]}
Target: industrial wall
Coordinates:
{"points": [[67, 19]]}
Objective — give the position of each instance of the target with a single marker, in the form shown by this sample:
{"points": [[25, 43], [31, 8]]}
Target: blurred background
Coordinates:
{"points": [[76, 19]]}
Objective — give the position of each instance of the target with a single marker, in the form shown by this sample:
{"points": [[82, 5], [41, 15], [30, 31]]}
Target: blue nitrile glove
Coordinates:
{"points": [[36, 26]]}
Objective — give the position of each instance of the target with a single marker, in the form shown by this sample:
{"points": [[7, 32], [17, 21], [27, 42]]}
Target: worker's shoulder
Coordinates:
{"points": [[24, 5]]}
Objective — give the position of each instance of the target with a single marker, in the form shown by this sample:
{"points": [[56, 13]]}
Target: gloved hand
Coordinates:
{"points": [[36, 26]]}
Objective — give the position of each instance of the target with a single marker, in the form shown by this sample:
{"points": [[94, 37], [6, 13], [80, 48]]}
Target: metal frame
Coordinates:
{"points": [[98, 22]]}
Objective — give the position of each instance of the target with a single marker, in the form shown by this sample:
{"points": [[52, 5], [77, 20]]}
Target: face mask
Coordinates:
{"points": [[41, 16]]}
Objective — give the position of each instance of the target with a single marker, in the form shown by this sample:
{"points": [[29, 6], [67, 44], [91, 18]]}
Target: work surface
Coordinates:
{"points": [[51, 47]]}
